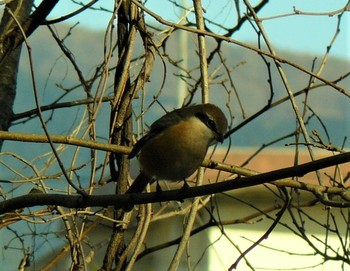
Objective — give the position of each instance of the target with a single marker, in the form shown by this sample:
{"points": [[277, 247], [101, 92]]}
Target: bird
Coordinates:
{"points": [[176, 144]]}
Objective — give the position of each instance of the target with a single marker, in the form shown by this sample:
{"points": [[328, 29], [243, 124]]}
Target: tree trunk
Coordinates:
{"points": [[9, 66]]}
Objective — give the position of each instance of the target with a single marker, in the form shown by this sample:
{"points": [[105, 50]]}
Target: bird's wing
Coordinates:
{"points": [[156, 128], [138, 146]]}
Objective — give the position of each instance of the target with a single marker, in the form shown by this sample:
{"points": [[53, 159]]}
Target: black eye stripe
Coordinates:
{"points": [[207, 121]]}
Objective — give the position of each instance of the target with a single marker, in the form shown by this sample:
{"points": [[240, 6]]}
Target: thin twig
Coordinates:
{"points": [[202, 51], [220, 37], [188, 227], [80, 191], [267, 233]]}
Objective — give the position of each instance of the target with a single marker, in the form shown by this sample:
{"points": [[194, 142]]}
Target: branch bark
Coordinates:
{"points": [[276, 177], [9, 68], [13, 37]]}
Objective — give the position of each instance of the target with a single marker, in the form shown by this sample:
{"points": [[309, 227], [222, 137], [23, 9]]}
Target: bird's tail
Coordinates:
{"points": [[137, 186]]}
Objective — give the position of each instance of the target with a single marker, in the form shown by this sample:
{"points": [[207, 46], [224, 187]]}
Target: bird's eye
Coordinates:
{"points": [[211, 124]]}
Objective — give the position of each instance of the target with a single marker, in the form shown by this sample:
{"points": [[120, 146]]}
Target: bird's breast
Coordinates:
{"points": [[177, 152]]}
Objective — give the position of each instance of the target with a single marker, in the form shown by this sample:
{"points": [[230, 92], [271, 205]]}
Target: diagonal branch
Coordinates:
{"points": [[275, 177], [14, 37]]}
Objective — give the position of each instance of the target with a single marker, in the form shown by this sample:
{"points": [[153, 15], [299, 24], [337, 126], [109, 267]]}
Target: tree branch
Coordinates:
{"points": [[37, 138], [242, 44], [14, 37], [276, 176]]}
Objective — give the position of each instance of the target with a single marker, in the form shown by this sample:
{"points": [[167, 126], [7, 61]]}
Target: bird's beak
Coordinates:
{"points": [[220, 138]]}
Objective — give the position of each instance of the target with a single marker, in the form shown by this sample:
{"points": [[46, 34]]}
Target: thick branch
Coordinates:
{"points": [[14, 37], [77, 201], [15, 12]]}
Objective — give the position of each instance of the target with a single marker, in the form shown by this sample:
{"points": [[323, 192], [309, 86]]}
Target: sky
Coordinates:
{"points": [[301, 33]]}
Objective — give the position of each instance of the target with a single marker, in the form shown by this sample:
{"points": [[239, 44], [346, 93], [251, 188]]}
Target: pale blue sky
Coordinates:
{"points": [[311, 34]]}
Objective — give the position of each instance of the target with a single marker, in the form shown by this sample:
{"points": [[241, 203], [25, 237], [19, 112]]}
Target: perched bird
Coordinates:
{"points": [[177, 143]]}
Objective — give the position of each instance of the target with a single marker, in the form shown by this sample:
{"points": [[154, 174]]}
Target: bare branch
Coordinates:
{"points": [[240, 182]]}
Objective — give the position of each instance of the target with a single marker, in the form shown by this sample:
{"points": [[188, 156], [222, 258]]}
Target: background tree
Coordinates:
{"points": [[10, 57], [62, 195]]}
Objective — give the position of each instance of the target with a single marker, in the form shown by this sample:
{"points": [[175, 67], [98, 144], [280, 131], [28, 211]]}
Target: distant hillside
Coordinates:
{"points": [[249, 76]]}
